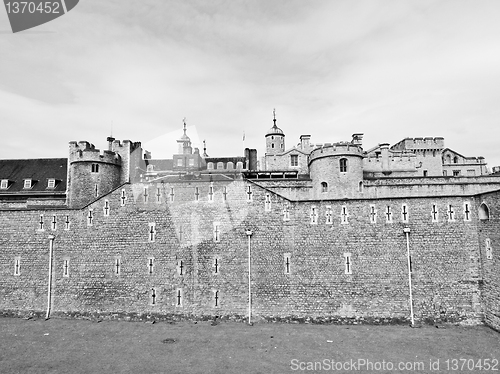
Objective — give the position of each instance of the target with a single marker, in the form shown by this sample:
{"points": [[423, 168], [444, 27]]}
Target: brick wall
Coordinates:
{"points": [[199, 227]]}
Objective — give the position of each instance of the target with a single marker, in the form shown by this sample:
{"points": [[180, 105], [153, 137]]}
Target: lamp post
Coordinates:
{"points": [[49, 288], [249, 235], [406, 230]]}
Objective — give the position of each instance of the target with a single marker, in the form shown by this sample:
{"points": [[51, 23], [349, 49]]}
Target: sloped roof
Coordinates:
{"points": [[39, 170]]}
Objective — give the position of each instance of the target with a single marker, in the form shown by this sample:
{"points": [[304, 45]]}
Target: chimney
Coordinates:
{"points": [[384, 149], [110, 140], [304, 142], [357, 139]]}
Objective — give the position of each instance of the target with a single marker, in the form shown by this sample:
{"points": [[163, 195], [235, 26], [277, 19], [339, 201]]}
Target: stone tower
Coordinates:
{"points": [[336, 171], [275, 139]]}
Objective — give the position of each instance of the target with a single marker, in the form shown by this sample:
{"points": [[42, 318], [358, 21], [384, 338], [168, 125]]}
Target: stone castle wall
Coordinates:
{"points": [[299, 258]]}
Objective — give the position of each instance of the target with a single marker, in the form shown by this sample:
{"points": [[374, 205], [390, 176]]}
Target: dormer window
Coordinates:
{"points": [[51, 183], [27, 183], [4, 184]]}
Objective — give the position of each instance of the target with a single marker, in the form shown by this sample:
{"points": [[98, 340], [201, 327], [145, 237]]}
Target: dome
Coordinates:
{"points": [[275, 130]]}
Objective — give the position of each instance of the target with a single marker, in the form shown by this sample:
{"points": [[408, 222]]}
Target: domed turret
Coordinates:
{"points": [[275, 138]]}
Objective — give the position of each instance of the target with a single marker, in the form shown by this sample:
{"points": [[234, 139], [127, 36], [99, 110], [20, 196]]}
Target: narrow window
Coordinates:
{"points": [[96, 190], [154, 296], [343, 165], [435, 213], [344, 215], [66, 223], [329, 215], [455, 160], [286, 212], [216, 232], [373, 214], [425, 173], [151, 265], [445, 173], [180, 267], [40, 223], [404, 213], [196, 194], [4, 184], [158, 194], [66, 267], [211, 193], [27, 183], [347, 263], [51, 183], [54, 223], [272, 145], [249, 193], [216, 265], [152, 232], [117, 265], [178, 296], [216, 298], [95, 168], [388, 214], [224, 193], [123, 197], [106, 208], [451, 213], [90, 217], [324, 187], [146, 195], [287, 262], [489, 250], [467, 212], [172, 194], [314, 215], [360, 186], [17, 265], [294, 160], [267, 203]]}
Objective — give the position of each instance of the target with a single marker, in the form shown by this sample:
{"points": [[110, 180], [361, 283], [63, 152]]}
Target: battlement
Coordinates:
{"points": [[84, 151], [336, 149], [419, 143]]}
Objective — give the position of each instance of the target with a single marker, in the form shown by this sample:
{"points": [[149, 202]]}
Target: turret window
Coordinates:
{"points": [[95, 168], [343, 165]]}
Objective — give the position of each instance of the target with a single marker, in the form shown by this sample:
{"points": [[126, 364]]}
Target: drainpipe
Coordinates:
{"points": [[406, 230], [249, 235], [49, 288]]}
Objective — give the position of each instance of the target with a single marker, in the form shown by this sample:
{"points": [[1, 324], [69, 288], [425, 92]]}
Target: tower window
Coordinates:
{"points": [[17, 265], [343, 165], [456, 173], [272, 145], [95, 168], [347, 263], [294, 160], [324, 187], [287, 263]]}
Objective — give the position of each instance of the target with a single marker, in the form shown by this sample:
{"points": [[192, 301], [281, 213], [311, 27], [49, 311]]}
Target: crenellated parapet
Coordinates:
{"points": [[84, 151], [336, 149], [419, 143]]}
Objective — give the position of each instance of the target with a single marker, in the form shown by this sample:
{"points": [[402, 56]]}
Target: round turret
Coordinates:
{"points": [[336, 170], [275, 139], [91, 173]]}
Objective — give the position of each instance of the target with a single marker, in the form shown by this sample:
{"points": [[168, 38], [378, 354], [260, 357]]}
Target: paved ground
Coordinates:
{"points": [[79, 346]]}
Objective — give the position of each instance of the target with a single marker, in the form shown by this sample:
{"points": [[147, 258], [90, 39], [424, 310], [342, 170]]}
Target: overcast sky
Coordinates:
{"points": [[389, 69]]}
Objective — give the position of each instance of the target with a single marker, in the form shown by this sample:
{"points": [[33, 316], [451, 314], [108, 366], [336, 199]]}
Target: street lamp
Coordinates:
{"points": [[249, 235], [406, 230], [49, 288]]}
